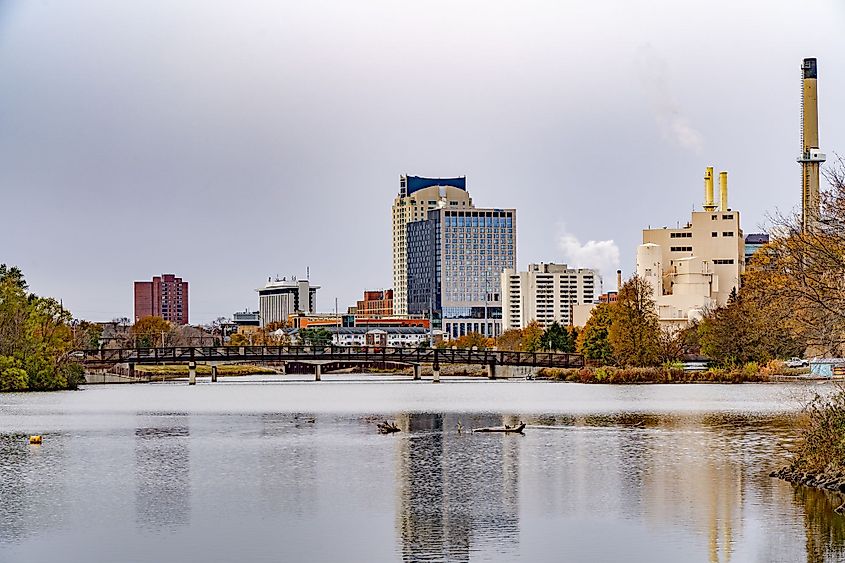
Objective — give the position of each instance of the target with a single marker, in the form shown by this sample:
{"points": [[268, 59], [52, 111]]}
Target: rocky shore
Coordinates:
{"points": [[830, 482]]}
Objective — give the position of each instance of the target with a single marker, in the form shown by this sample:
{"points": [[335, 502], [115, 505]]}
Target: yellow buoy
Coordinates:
{"points": [[35, 439]]}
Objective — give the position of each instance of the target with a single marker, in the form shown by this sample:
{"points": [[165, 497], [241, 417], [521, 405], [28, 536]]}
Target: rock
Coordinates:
{"points": [[840, 509]]}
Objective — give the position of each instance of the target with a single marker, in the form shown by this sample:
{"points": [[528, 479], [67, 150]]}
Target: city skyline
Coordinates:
{"points": [[258, 146]]}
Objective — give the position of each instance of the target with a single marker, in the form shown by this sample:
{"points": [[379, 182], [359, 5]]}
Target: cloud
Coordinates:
{"points": [[602, 255]]}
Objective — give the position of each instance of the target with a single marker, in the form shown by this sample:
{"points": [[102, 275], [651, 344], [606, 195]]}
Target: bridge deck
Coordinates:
{"points": [[305, 353]]}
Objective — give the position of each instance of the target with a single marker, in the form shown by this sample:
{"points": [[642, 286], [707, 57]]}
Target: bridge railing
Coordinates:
{"points": [[180, 354]]}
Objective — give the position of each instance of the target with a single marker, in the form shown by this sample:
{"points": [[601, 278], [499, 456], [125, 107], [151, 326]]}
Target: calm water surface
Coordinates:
{"points": [[249, 470]]}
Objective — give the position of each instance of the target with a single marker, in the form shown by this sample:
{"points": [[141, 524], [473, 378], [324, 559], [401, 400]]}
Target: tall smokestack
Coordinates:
{"points": [[618, 280], [709, 204], [723, 190], [811, 157]]}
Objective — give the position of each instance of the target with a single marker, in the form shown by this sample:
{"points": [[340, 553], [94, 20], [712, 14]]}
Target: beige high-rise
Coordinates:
{"points": [[416, 197]]}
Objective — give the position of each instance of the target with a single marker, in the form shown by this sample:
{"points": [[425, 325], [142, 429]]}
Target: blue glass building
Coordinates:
{"points": [[454, 261]]}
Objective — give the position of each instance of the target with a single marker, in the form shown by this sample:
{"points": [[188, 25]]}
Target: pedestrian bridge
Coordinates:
{"points": [[319, 356], [410, 356]]}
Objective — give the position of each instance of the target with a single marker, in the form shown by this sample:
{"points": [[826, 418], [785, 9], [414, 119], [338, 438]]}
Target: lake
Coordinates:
{"points": [[254, 469]]}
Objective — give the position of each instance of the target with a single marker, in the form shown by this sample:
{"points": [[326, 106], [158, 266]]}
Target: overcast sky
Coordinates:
{"points": [[230, 141]]}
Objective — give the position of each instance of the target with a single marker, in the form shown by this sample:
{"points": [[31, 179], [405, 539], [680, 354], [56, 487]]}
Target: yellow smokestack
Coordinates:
{"points": [[811, 157], [723, 191], [709, 204]]}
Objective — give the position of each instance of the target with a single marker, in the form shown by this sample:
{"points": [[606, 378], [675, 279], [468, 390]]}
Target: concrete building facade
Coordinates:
{"points": [[416, 197], [166, 296], [281, 298], [697, 266], [546, 293], [454, 263]]}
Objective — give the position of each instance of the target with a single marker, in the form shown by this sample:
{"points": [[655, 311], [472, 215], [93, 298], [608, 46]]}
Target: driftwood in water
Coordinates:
{"points": [[387, 427], [516, 429]]}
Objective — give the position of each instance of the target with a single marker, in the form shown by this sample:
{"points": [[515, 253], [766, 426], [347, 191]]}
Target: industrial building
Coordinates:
{"points": [[546, 293], [165, 296], [416, 197], [455, 258], [695, 267], [281, 297]]}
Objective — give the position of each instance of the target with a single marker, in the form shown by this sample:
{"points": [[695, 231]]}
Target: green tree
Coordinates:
{"points": [[317, 337], [557, 339], [12, 376], [634, 334], [593, 341], [36, 338]]}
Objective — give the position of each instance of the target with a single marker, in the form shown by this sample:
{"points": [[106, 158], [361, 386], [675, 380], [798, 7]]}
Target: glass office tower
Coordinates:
{"points": [[454, 262]]}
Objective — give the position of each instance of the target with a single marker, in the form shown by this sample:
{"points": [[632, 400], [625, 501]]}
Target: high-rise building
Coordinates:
{"points": [[166, 296], [546, 293], [455, 258], [281, 298], [753, 243], [698, 266], [416, 197]]}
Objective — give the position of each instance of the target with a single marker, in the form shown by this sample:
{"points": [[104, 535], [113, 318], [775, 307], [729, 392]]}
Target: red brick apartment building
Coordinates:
{"points": [[166, 296], [376, 304]]}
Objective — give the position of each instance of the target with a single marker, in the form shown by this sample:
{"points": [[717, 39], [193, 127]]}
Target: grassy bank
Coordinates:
{"points": [[203, 369], [608, 374], [819, 459]]}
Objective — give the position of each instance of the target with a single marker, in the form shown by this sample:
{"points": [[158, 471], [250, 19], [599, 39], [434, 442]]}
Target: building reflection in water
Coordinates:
{"points": [[287, 474], [162, 471], [457, 492]]}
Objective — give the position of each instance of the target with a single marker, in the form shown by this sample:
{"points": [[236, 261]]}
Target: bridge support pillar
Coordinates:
{"points": [[318, 372], [192, 373], [491, 370], [417, 371], [283, 368], [214, 373], [435, 373], [131, 370]]}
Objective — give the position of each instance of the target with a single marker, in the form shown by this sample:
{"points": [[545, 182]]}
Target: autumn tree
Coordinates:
{"points": [[532, 337], [150, 332], [593, 340], [473, 340], [36, 338], [802, 273], [510, 339], [634, 333], [747, 329]]}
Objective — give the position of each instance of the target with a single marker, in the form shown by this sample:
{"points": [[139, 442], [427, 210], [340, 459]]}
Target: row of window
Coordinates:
{"points": [[681, 249]]}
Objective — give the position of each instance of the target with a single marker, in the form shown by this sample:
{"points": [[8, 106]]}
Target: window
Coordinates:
{"points": [[723, 261], [681, 249], [680, 235], [727, 217], [728, 234], [714, 234]]}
